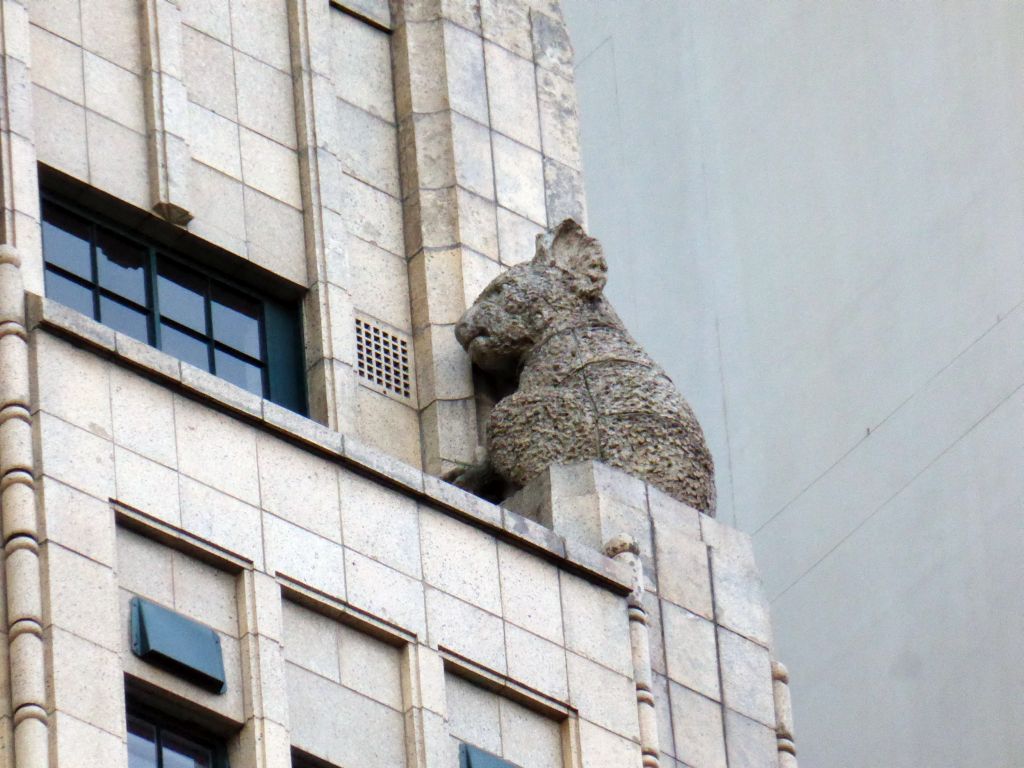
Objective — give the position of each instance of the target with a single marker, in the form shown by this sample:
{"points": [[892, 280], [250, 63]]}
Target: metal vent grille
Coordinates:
{"points": [[382, 359]]}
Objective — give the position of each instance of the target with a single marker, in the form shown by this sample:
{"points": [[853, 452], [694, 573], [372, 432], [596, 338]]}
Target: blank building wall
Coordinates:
{"points": [[814, 216]]}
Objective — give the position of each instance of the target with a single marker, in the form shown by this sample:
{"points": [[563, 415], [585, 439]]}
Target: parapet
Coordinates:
{"points": [[708, 687]]}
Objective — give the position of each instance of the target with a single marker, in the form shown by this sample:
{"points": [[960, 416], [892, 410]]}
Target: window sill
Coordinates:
{"points": [[50, 316]]}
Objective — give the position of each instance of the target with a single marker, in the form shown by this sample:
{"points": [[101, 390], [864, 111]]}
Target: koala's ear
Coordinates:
{"points": [[568, 247]]}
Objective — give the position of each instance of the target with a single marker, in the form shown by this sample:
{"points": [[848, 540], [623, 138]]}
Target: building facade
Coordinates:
{"points": [[820, 206], [237, 237]]}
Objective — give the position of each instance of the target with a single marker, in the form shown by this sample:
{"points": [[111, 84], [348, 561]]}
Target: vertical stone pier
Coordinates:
{"points": [[709, 691]]}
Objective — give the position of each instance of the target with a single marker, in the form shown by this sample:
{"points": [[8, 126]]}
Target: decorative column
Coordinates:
{"points": [[330, 316], [20, 525], [166, 110], [626, 550], [436, 216], [489, 155], [783, 716], [19, 179]]}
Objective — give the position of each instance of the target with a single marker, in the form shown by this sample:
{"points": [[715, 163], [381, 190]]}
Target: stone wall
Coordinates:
{"points": [[701, 606], [385, 163], [388, 163], [345, 593], [333, 573]]}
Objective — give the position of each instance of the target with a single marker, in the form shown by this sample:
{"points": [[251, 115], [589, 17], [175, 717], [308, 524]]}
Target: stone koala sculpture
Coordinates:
{"points": [[585, 389]]}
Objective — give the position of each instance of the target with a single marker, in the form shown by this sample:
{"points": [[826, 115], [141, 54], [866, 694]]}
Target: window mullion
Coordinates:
{"points": [[94, 271], [154, 298], [210, 346], [264, 354], [244, 356], [158, 732], [123, 300]]}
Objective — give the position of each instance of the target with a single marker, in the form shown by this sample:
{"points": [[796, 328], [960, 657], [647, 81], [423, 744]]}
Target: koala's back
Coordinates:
{"points": [[594, 394]]}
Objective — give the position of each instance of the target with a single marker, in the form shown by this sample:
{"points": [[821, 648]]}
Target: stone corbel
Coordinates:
{"points": [[166, 110]]}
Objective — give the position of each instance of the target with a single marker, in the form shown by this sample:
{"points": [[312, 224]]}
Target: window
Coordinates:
{"points": [[473, 757], [156, 741], [302, 760], [153, 295]]}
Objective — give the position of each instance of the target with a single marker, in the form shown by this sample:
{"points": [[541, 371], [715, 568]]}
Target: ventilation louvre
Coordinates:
{"points": [[382, 359]]}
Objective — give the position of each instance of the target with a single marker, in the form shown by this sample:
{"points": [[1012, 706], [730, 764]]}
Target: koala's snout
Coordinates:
{"points": [[466, 330]]}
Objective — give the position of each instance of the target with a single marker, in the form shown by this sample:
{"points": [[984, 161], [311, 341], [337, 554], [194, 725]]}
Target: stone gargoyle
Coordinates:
{"points": [[584, 389]]}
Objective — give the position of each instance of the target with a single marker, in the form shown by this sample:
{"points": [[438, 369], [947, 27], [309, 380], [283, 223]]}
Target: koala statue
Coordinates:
{"points": [[586, 389]]}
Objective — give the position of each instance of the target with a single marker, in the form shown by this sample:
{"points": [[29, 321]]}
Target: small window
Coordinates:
{"points": [[156, 741], [474, 757], [157, 297], [302, 760]]}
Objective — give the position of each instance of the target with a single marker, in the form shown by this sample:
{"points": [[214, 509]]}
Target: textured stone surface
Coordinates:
{"points": [[586, 390], [349, 589]]}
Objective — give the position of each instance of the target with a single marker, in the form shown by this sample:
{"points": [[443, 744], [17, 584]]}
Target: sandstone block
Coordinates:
{"points": [[530, 592], [749, 744], [460, 560], [536, 663], [385, 592], [697, 727], [596, 624], [465, 629], [603, 697], [692, 658]]}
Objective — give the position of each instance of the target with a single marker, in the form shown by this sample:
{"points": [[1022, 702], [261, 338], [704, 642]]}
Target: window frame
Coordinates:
{"points": [[281, 364], [161, 722]]}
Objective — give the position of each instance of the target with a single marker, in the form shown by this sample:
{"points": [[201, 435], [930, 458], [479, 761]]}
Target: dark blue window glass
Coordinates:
{"points": [[141, 744], [239, 371], [122, 266], [179, 752], [69, 292], [67, 241], [236, 320], [184, 346], [125, 319], [156, 742], [182, 295]]}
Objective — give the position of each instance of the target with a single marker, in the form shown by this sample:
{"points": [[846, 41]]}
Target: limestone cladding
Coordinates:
{"points": [[382, 592], [360, 596], [381, 159], [390, 162], [699, 640]]}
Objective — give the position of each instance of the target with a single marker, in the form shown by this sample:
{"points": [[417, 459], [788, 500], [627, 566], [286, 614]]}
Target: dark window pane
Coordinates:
{"points": [[236, 320], [184, 347], [284, 355], [122, 266], [179, 752], [66, 241], [181, 293], [124, 319], [141, 744], [240, 372], [69, 293]]}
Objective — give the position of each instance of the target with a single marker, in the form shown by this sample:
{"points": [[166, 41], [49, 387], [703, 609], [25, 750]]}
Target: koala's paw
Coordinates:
{"points": [[469, 477], [479, 479]]}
